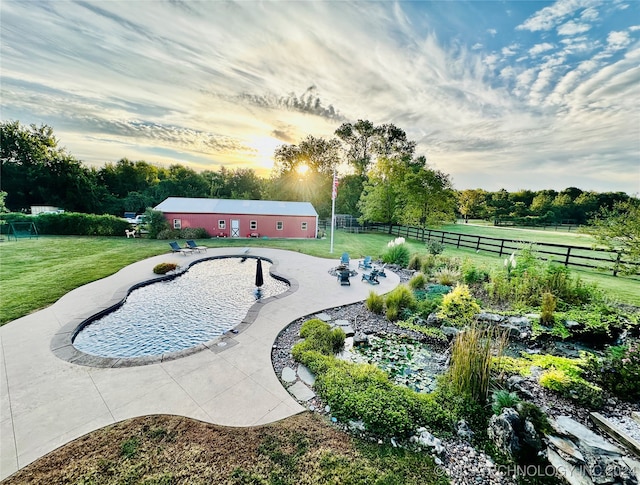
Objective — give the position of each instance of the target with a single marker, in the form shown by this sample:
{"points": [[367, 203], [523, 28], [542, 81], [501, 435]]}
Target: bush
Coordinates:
{"points": [[429, 264], [415, 263], [503, 399], [400, 298], [194, 233], [71, 224], [435, 247], [472, 275], [547, 309], [619, 371], [362, 391], [418, 282], [320, 337], [429, 305], [446, 276], [397, 254], [575, 388], [375, 302], [156, 223], [459, 307], [164, 268], [167, 234]]}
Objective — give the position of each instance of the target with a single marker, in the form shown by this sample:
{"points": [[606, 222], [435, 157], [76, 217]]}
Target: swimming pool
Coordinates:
{"points": [[203, 303]]}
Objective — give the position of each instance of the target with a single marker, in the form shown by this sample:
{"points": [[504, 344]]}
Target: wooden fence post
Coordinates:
{"points": [[617, 264], [566, 259]]}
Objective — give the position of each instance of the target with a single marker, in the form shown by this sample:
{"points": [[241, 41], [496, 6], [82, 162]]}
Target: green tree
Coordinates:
{"points": [[358, 141], [471, 202], [618, 229]]}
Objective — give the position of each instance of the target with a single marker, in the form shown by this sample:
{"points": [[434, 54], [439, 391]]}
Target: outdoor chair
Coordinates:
{"points": [[365, 263], [371, 278], [380, 270], [192, 245], [343, 277], [345, 259], [177, 249]]}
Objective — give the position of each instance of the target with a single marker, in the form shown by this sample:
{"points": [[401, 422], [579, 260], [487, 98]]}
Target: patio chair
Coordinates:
{"points": [[371, 278], [380, 270], [343, 277], [192, 245], [345, 259], [365, 263], [177, 249]]}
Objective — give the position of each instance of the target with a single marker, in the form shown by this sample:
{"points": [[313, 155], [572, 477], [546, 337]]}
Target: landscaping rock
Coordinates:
{"points": [[450, 332], [503, 431], [360, 338], [433, 320], [463, 430], [489, 317], [522, 322], [325, 317], [301, 392], [513, 330], [306, 375], [288, 374], [426, 440]]}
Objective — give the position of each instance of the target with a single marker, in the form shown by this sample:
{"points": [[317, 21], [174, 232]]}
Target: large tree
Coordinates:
{"points": [[618, 229]]}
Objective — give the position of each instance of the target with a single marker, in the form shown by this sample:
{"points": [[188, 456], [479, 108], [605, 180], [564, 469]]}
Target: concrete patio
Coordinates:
{"points": [[46, 401]]}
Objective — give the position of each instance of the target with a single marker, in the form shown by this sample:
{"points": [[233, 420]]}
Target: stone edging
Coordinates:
{"points": [[62, 342]]}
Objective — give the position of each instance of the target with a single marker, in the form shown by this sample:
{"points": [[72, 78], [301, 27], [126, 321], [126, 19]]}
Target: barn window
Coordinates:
{"points": [[177, 223], [253, 225], [279, 225], [303, 226], [222, 224]]}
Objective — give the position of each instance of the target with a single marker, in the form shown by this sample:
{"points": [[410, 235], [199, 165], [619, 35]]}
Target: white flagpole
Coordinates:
{"points": [[333, 208]]}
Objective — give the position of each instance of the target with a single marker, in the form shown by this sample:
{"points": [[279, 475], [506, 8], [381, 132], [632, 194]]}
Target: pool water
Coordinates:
{"points": [[209, 299]]}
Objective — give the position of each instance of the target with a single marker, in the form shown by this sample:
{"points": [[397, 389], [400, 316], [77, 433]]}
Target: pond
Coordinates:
{"points": [[408, 362], [203, 303]]}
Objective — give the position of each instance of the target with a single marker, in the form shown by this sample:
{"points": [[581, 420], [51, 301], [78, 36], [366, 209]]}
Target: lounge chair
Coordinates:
{"points": [[192, 245], [343, 277], [345, 259], [177, 249], [365, 263], [380, 270], [371, 278]]}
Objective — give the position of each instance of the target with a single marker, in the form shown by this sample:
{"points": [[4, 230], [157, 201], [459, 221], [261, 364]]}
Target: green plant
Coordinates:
{"points": [[418, 281], [129, 448], [446, 276], [619, 371], [435, 247], [400, 298], [459, 307], [194, 233], [428, 305], [375, 302], [503, 399], [168, 234], [397, 254], [431, 332], [471, 357], [164, 268], [548, 307], [429, 263], [471, 274], [320, 337], [155, 222], [415, 263], [528, 410]]}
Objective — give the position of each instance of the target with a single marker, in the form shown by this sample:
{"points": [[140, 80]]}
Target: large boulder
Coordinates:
{"points": [[503, 431]]}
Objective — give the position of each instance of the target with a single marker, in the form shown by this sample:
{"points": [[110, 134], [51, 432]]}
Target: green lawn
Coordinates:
{"points": [[34, 273]]}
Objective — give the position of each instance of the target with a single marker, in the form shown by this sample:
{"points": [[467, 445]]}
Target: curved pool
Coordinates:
{"points": [[203, 303]]}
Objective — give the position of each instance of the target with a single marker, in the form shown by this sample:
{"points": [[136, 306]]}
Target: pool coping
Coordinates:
{"points": [[62, 342]]}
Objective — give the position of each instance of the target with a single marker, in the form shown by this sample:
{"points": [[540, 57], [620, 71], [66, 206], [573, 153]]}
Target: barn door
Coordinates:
{"points": [[235, 228]]}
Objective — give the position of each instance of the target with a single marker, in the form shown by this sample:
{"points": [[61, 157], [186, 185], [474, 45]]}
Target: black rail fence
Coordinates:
{"points": [[583, 257]]}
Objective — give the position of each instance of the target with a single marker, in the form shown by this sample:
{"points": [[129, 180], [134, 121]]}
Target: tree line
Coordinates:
{"points": [[387, 181]]}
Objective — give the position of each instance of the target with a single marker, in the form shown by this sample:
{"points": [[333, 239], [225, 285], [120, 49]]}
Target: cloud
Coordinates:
{"points": [[553, 15], [476, 46], [492, 32], [573, 28], [617, 40], [540, 48]]}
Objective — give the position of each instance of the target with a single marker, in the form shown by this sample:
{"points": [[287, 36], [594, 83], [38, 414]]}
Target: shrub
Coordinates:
{"points": [[575, 388], [428, 306], [400, 298], [459, 307], [156, 223], [375, 302], [397, 254], [503, 399], [435, 247], [548, 307], [164, 268], [528, 410], [619, 371], [417, 282], [471, 357], [432, 332], [320, 337], [167, 234], [473, 275], [194, 233], [415, 263], [429, 263], [446, 276], [71, 223]]}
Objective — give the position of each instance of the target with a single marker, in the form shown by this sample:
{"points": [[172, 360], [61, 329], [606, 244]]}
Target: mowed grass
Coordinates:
{"points": [[34, 273]]}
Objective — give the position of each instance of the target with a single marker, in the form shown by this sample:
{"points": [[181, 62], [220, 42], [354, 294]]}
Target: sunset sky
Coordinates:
{"points": [[513, 94]]}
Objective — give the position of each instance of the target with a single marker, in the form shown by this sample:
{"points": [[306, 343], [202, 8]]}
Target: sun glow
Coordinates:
{"points": [[265, 147], [302, 169]]}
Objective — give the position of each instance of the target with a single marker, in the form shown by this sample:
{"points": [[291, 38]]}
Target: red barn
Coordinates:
{"points": [[242, 218]]}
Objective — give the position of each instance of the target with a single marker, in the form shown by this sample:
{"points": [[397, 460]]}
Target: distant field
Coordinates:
{"points": [[35, 273], [521, 234]]}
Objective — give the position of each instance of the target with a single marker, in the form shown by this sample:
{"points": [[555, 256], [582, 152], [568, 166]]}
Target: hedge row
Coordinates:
{"points": [[69, 223]]}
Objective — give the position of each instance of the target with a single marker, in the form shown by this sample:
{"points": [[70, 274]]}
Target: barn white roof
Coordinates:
{"points": [[233, 206]]}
